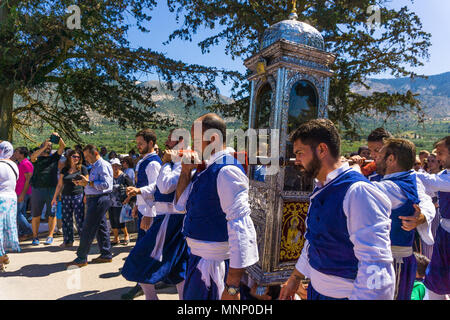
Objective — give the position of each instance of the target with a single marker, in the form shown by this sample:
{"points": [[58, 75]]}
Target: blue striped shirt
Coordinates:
{"points": [[102, 176]]}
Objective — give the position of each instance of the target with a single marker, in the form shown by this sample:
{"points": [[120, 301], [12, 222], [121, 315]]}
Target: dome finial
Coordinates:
{"points": [[293, 15]]}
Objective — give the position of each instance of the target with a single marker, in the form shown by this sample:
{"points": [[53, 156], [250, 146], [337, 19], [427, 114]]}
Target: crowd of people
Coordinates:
{"points": [[380, 213], [46, 190]]}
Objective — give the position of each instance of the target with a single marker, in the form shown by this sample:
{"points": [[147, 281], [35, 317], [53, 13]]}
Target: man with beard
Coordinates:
{"points": [[347, 249], [161, 255], [404, 189], [437, 278], [43, 182], [147, 170], [218, 228]]}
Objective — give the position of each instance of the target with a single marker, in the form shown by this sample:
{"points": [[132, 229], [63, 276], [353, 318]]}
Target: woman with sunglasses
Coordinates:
{"points": [[71, 196]]}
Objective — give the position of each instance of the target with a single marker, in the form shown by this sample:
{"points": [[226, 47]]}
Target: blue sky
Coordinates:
{"points": [[434, 14]]}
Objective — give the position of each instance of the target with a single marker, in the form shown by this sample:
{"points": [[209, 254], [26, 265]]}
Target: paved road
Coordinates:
{"points": [[39, 272]]}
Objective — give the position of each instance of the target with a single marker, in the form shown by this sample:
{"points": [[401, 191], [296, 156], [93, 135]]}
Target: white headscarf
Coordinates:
{"points": [[6, 150]]}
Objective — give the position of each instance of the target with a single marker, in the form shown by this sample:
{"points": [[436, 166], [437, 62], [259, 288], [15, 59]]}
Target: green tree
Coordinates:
{"points": [[397, 46], [53, 72]]}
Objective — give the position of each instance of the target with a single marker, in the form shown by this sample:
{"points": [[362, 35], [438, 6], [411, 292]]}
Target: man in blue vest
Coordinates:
{"points": [[437, 276], [161, 255], [347, 249], [404, 189], [147, 170], [218, 228]]}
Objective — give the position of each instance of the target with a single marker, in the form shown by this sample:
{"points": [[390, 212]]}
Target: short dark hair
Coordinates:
{"points": [[23, 151], [214, 121], [378, 135], [112, 155], [445, 141], [129, 161], [91, 148], [318, 131], [403, 150], [361, 149], [148, 135], [422, 263]]}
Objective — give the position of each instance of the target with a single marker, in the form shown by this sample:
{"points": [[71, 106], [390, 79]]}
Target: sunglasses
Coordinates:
{"points": [[76, 157]]}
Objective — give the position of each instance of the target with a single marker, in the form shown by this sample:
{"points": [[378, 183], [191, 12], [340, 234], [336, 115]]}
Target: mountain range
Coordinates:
{"points": [[434, 92]]}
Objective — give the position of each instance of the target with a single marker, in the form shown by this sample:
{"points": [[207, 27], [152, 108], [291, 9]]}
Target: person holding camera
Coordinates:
{"points": [[71, 196], [43, 182]]}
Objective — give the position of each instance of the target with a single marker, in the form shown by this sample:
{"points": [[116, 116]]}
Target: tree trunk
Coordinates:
{"points": [[6, 113], [6, 94]]}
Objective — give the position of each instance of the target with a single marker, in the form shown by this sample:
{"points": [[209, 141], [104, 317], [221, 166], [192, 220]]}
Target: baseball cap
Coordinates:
{"points": [[115, 161]]}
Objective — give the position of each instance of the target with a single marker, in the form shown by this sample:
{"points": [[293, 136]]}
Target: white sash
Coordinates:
{"points": [[160, 238]]}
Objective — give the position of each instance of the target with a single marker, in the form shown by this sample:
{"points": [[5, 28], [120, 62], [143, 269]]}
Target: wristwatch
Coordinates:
{"points": [[232, 290]]}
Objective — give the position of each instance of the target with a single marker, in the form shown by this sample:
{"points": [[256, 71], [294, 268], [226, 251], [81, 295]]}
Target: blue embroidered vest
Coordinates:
{"points": [[375, 177], [444, 204], [142, 179], [164, 197], [205, 219], [330, 249], [408, 183]]}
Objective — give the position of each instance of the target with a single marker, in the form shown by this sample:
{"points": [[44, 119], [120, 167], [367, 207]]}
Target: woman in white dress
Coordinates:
{"points": [[9, 173]]}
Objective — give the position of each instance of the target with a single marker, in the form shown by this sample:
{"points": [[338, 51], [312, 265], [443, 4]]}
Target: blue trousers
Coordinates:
{"points": [[141, 233], [437, 275], [95, 224], [405, 274], [312, 294], [141, 267], [23, 226], [194, 287]]}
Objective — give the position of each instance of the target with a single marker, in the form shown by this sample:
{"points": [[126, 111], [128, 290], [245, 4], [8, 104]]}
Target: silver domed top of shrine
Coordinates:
{"points": [[294, 31]]}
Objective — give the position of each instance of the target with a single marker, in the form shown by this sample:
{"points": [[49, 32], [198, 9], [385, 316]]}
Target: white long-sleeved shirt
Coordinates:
{"points": [[152, 171], [232, 188], [167, 183], [398, 198], [368, 224], [433, 184]]}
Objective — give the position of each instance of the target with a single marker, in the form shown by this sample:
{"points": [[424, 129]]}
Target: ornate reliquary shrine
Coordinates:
{"points": [[289, 85]]}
